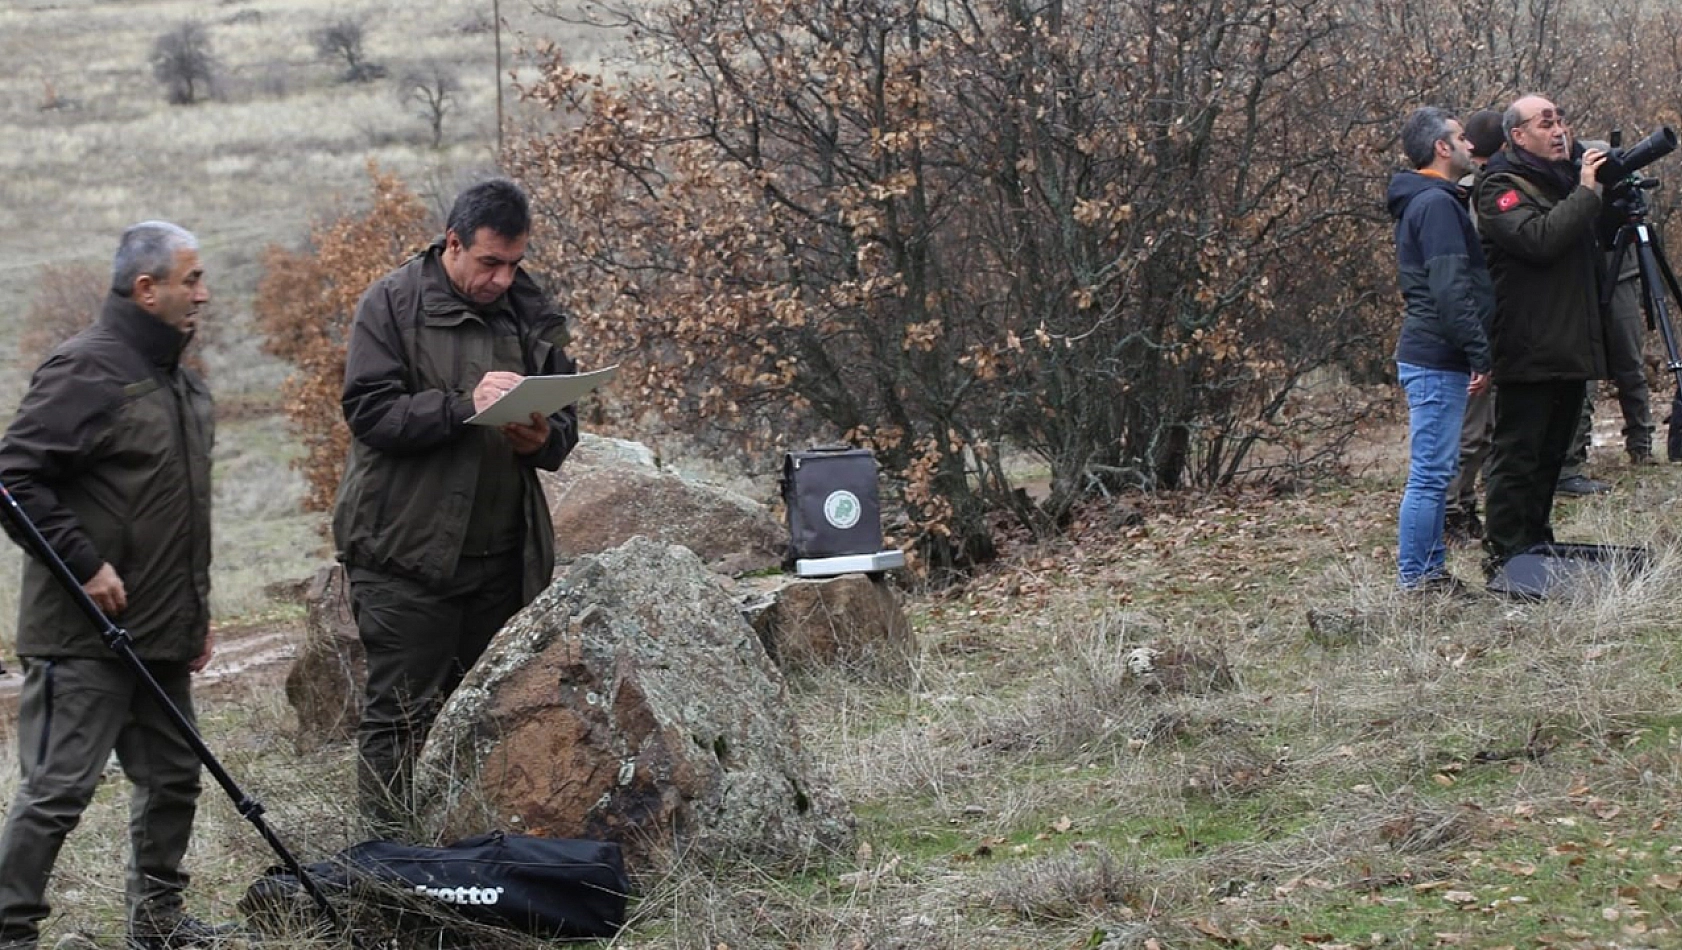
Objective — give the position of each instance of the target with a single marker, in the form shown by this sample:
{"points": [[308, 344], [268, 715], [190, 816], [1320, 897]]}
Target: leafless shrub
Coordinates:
{"points": [[478, 22], [1073, 884], [430, 90], [273, 80], [182, 60], [67, 298], [344, 39], [1232, 766]]}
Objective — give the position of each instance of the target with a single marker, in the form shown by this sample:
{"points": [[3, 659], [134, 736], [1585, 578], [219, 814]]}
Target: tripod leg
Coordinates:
{"points": [[1654, 269]]}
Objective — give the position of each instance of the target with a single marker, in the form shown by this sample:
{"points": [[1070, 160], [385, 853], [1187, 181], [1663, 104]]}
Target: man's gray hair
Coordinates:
{"points": [[148, 248], [1427, 126]]}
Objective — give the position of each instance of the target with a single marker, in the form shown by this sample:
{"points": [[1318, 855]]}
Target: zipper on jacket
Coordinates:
{"points": [[179, 391]]}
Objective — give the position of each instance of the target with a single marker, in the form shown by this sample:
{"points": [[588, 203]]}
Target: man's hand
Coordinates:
{"points": [[1592, 160], [203, 659], [106, 589], [527, 439], [494, 386], [1479, 383]]}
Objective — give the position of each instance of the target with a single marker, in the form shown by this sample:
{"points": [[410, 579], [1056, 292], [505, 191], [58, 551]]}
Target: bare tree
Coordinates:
{"points": [[429, 90], [941, 231], [182, 61], [343, 40]]}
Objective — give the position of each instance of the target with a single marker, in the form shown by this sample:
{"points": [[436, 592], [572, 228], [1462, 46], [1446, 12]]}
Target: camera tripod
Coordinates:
{"points": [[1657, 280]]}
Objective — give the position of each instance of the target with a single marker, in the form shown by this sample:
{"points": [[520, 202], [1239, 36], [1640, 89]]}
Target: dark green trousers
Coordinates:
{"points": [[420, 642], [1533, 427], [73, 713]]}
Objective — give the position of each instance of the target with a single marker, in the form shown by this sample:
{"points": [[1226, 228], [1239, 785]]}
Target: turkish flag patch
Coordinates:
{"points": [[1508, 200]]}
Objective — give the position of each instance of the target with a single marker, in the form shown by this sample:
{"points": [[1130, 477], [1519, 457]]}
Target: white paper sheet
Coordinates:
{"points": [[541, 394]]}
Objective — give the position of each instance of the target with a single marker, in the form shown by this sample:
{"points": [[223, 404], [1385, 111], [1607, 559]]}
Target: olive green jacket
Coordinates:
{"points": [[1539, 237], [110, 457], [416, 351]]}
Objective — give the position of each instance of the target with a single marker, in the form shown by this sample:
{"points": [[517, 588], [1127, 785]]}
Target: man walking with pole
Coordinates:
{"points": [[109, 456]]}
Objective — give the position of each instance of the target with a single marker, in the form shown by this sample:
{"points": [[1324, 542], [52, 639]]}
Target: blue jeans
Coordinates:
{"points": [[1436, 406]]}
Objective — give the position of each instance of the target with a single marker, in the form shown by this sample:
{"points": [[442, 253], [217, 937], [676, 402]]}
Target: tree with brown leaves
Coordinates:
{"points": [[304, 305]]}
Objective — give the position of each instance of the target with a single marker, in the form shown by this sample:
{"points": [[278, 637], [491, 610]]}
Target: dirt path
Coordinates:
{"points": [[242, 650]]}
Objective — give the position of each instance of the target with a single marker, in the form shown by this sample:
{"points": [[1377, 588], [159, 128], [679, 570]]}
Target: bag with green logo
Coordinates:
{"points": [[833, 508]]}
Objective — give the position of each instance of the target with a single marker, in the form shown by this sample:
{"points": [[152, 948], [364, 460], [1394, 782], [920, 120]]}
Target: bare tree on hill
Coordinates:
{"points": [[430, 91], [344, 40], [182, 60]]}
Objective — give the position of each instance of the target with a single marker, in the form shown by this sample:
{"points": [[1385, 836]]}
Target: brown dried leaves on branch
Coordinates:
{"points": [[305, 302]]}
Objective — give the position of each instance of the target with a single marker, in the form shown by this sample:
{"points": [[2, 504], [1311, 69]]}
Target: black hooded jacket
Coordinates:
{"points": [[1446, 289]]}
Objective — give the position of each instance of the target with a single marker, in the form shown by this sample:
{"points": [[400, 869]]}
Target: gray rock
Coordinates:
{"points": [[607, 493], [325, 685], [631, 702]]}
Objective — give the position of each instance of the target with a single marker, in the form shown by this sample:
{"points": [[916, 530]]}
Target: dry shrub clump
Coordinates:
{"points": [[305, 302], [67, 298], [1072, 884], [924, 245]]}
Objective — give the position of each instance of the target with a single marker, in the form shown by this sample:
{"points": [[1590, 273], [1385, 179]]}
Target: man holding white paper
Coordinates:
{"points": [[442, 525]]}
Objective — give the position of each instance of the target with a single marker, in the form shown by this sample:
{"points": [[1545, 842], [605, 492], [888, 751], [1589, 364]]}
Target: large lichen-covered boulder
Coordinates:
{"points": [[608, 492], [853, 623], [631, 702], [325, 685]]}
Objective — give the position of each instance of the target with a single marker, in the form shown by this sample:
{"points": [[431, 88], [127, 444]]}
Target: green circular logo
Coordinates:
{"points": [[842, 509]]}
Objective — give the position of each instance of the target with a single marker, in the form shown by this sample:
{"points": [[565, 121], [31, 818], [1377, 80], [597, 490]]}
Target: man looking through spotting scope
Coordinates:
{"points": [[442, 525], [1537, 211], [1626, 328], [109, 456], [1441, 352]]}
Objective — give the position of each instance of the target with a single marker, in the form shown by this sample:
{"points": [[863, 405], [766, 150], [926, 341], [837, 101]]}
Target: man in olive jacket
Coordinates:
{"points": [[442, 525], [109, 456], [1536, 213]]}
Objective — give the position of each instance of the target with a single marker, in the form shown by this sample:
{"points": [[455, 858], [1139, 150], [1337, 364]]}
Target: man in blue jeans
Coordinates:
{"points": [[1442, 352]]}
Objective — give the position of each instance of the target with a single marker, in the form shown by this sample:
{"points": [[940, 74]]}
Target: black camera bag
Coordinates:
{"points": [[833, 506], [550, 887]]}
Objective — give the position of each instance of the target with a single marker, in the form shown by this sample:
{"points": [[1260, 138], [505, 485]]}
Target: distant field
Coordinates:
{"points": [[88, 145]]}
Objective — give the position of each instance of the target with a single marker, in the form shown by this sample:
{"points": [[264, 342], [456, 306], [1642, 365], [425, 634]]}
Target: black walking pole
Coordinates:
{"points": [[122, 644]]}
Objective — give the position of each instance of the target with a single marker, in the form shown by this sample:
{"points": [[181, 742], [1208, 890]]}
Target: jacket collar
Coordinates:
{"points": [[1561, 175], [154, 339]]}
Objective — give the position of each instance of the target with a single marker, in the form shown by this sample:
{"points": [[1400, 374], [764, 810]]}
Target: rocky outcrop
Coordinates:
{"points": [[326, 682], [631, 702], [609, 491]]}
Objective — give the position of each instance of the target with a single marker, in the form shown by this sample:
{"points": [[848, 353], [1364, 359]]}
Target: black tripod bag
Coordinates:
{"points": [[1542, 571], [550, 887]]}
